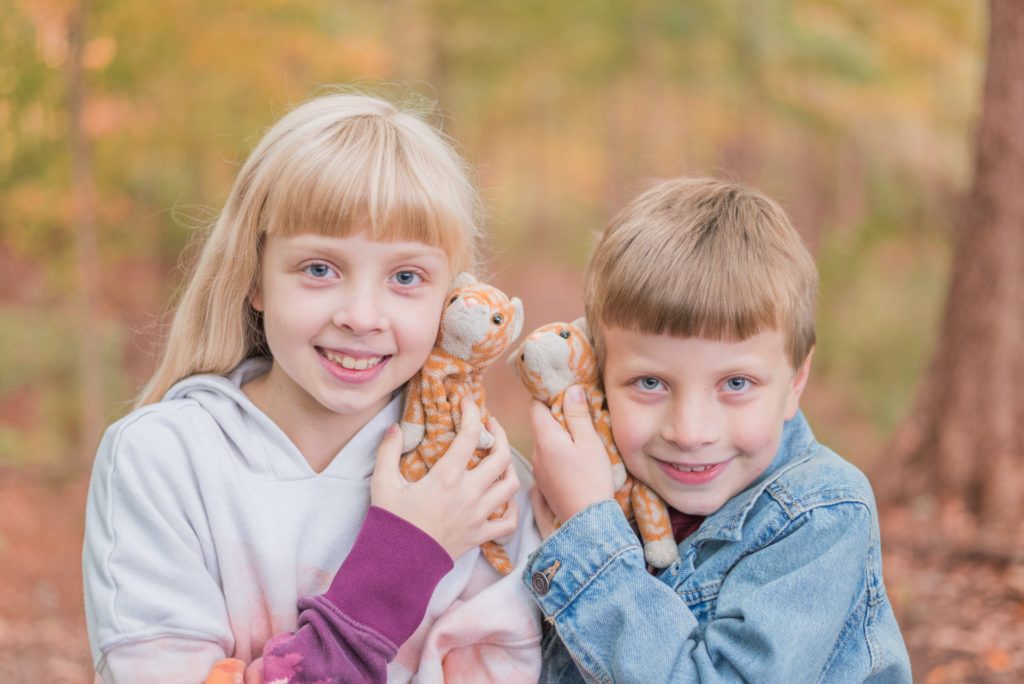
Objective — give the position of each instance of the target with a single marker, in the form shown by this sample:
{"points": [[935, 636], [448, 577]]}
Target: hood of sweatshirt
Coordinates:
{"points": [[260, 443]]}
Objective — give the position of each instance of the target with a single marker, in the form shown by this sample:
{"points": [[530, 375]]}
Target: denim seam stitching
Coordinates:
{"points": [[591, 578]]}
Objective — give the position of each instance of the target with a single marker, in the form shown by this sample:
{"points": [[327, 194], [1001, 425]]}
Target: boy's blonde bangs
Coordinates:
{"points": [[374, 172], [702, 258]]}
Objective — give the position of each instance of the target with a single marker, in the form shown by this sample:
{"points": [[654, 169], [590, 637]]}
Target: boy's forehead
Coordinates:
{"points": [[627, 342]]}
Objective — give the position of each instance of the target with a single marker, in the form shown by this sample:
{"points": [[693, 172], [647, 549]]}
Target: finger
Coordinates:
{"points": [[504, 524], [542, 512], [492, 467], [389, 452], [577, 414], [545, 427], [461, 449], [500, 437], [498, 492]]}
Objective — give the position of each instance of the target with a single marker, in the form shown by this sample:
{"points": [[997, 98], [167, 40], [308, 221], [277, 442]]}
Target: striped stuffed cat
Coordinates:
{"points": [[478, 324], [551, 359]]}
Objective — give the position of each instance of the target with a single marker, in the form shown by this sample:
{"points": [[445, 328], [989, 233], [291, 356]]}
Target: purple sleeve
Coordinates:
{"points": [[376, 601]]}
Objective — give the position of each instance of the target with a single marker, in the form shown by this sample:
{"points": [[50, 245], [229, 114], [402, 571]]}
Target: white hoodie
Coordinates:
{"points": [[205, 525]]}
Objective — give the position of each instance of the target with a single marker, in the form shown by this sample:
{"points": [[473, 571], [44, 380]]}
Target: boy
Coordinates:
{"points": [[700, 296]]}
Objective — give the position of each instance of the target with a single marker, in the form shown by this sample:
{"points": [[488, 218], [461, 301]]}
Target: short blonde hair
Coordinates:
{"points": [[337, 165], [703, 258]]}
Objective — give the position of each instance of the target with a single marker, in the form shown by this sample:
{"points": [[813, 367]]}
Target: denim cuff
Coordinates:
{"points": [[571, 558]]}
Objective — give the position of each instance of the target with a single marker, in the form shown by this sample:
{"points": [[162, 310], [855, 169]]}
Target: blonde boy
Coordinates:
{"points": [[701, 298]]}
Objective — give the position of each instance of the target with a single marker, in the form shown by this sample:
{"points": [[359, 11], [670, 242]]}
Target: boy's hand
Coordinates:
{"points": [[451, 503], [571, 468], [543, 516]]}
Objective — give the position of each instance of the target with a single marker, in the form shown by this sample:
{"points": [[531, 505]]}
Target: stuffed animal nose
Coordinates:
{"points": [[535, 336], [470, 301]]}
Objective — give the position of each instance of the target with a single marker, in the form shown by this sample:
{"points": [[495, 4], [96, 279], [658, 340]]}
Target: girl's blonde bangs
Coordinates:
{"points": [[370, 178]]}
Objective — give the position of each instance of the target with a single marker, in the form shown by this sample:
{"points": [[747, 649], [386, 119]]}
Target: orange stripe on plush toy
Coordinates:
{"points": [[478, 324], [551, 359]]}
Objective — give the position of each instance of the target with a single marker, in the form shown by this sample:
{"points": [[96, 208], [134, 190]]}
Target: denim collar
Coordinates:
{"points": [[795, 447]]}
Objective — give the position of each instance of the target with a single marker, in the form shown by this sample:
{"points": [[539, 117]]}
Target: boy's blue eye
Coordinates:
{"points": [[319, 270], [407, 278], [736, 384]]}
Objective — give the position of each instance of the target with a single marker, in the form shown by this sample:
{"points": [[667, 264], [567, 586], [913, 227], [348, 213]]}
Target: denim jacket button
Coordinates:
{"points": [[540, 583]]}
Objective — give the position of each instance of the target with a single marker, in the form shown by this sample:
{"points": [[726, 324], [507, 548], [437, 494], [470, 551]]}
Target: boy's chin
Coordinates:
{"points": [[701, 505]]}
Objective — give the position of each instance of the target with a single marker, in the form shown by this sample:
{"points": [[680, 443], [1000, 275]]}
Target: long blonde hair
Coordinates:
{"points": [[337, 165]]}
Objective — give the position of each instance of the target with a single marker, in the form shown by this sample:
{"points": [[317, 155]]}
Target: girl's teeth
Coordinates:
{"points": [[353, 363]]}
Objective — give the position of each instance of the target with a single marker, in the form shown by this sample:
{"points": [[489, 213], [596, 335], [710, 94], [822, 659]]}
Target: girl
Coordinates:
{"points": [[251, 507]]}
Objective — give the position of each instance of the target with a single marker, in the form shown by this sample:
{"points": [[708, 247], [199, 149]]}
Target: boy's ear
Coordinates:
{"points": [[797, 388]]}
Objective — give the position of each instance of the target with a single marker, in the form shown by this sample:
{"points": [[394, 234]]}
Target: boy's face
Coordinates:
{"points": [[699, 420]]}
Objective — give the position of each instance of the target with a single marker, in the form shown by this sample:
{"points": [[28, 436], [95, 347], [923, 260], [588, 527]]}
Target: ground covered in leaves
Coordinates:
{"points": [[960, 603]]}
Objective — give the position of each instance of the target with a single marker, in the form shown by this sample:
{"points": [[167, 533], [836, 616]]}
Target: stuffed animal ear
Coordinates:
{"points": [[581, 323], [463, 279], [520, 316]]}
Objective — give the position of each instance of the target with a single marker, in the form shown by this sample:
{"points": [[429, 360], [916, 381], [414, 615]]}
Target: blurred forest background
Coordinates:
{"points": [[122, 124]]}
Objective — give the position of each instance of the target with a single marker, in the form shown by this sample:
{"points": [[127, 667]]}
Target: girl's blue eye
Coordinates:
{"points": [[407, 278], [648, 384], [736, 384], [319, 270]]}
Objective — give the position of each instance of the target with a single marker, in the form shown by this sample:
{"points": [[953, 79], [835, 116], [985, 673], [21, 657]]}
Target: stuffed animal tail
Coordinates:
{"points": [[655, 528]]}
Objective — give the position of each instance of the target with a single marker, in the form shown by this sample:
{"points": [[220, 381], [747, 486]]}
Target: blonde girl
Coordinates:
{"points": [[249, 514]]}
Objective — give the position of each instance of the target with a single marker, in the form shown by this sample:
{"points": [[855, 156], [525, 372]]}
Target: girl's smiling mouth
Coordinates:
{"points": [[351, 362]]}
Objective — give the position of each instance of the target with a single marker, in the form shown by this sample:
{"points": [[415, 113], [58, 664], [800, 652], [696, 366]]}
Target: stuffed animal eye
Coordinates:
{"points": [[497, 318], [563, 333], [522, 357], [452, 300]]}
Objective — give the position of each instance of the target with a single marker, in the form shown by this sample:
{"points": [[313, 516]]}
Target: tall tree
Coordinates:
{"points": [[964, 440], [86, 250]]}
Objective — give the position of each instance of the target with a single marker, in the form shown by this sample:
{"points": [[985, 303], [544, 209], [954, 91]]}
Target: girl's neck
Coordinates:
{"points": [[316, 431]]}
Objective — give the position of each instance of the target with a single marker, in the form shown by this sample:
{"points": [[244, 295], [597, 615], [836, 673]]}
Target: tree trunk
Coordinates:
{"points": [[963, 443], [83, 194]]}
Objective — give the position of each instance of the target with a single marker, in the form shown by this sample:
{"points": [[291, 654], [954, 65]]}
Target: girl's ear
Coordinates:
{"points": [[256, 298]]}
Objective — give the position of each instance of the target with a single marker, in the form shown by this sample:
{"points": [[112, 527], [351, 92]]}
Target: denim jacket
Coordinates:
{"points": [[781, 584]]}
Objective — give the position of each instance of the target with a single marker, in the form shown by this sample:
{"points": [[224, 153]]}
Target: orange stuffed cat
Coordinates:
{"points": [[478, 324], [549, 360]]}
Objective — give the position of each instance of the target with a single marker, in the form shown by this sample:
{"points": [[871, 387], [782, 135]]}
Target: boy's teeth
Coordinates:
{"points": [[690, 469], [351, 362]]}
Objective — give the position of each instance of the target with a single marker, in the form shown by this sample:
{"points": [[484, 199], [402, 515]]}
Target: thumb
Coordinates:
{"points": [[576, 412], [389, 452]]}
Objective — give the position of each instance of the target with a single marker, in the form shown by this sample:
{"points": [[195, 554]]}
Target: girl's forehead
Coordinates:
{"points": [[360, 246]]}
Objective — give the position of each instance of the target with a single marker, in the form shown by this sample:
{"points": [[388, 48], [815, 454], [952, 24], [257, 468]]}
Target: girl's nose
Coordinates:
{"points": [[360, 313]]}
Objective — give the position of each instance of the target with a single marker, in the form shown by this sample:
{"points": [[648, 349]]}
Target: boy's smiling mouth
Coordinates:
{"points": [[692, 473]]}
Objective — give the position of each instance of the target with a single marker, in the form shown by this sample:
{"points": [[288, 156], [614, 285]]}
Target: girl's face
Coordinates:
{"points": [[348, 320]]}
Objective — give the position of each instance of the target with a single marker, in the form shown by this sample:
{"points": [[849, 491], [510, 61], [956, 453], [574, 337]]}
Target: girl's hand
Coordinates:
{"points": [[571, 468], [451, 503]]}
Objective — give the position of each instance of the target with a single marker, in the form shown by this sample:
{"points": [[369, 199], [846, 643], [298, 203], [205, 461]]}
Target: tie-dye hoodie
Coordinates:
{"points": [[209, 537]]}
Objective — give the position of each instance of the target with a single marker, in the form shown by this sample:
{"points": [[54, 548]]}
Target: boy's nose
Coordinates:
{"points": [[691, 426]]}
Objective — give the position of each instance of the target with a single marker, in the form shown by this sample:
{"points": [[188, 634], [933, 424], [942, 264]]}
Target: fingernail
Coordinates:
{"points": [[392, 430], [576, 393]]}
